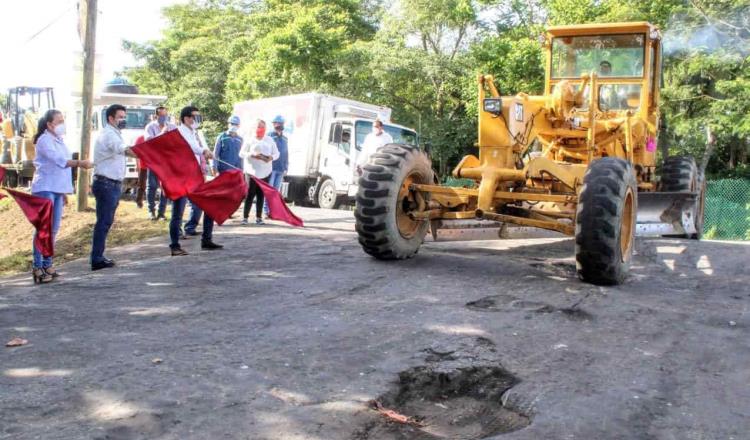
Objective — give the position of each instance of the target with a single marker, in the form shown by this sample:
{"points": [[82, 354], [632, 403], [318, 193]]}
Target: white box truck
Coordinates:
{"points": [[325, 137], [139, 111]]}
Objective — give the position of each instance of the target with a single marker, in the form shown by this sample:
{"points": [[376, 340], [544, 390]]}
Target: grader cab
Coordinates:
{"points": [[579, 160]]}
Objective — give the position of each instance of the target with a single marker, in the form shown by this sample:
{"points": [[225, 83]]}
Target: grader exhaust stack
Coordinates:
{"points": [[578, 160]]}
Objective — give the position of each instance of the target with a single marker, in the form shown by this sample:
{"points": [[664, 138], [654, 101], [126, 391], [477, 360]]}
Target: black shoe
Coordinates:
{"points": [[178, 252], [209, 245], [192, 233], [161, 217], [104, 264]]}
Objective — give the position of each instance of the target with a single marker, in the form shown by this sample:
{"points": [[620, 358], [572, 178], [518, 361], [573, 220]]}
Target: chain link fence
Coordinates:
{"points": [[727, 214]]}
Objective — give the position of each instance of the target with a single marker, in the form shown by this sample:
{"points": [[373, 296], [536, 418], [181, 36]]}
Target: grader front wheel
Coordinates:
{"points": [[605, 221], [384, 200]]}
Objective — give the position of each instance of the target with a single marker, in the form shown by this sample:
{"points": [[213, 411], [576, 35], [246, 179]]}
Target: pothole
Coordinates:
{"points": [[460, 404], [508, 303]]}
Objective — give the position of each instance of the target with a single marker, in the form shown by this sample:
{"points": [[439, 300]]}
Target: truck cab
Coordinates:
{"points": [[345, 140]]}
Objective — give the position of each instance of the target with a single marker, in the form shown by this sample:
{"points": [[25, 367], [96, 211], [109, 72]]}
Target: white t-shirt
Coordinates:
{"points": [[253, 147], [371, 144]]}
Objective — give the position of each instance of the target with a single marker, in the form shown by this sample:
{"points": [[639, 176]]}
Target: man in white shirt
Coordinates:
{"points": [[109, 159], [190, 121], [376, 139], [155, 128]]}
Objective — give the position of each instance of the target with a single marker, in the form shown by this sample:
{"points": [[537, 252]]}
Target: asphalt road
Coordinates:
{"points": [[290, 333]]}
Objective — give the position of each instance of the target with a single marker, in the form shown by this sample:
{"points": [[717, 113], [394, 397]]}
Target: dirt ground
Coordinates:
{"points": [[297, 334], [74, 239]]}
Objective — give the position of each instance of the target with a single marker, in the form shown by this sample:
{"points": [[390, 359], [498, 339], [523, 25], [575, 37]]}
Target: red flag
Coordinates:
{"points": [[39, 212], [222, 196], [277, 209], [172, 160]]}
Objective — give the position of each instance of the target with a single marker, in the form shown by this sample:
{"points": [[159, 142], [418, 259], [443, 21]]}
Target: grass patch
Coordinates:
{"points": [[74, 238]]}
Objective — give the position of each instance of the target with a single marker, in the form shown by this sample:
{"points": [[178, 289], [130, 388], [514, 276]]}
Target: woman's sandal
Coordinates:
{"points": [[41, 276], [52, 271]]}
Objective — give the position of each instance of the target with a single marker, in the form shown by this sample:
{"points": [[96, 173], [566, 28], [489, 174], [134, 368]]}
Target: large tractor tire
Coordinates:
{"points": [[385, 230], [605, 221], [681, 174]]}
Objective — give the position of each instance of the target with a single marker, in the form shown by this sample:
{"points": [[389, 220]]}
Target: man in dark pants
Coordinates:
{"points": [[190, 120], [155, 128], [109, 162]]}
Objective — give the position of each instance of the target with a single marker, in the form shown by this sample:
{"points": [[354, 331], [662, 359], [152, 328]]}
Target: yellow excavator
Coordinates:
{"points": [[23, 108], [579, 159]]}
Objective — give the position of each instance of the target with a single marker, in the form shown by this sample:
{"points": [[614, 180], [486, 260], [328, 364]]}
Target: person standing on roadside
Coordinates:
{"points": [[227, 147], [52, 180], [190, 121], [154, 128], [258, 152], [109, 159], [280, 165]]}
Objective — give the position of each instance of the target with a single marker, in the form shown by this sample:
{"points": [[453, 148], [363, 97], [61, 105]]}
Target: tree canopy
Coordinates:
{"points": [[422, 57]]}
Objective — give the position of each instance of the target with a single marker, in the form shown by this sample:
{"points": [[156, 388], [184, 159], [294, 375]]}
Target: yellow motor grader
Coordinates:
{"points": [[579, 160]]}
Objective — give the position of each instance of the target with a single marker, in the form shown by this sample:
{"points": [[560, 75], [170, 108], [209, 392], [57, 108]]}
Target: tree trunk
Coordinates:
{"points": [[710, 147]]}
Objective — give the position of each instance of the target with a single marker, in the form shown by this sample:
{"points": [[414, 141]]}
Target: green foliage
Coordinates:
{"points": [[422, 58]]}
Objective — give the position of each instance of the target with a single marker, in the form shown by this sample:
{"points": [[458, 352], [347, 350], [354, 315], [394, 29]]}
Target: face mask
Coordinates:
{"points": [[233, 129], [162, 119], [60, 130], [260, 132], [121, 123]]}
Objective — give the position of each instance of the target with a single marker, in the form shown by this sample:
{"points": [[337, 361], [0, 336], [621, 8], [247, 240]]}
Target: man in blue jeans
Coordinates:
{"points": [[109, 162], [155, 128], [280, 165], [190, 121]]}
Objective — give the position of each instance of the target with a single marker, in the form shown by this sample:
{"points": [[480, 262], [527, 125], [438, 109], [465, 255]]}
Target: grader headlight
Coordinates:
{"points": [[493, 106]]}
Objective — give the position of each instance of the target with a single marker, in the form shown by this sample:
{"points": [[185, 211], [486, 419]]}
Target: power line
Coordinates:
{"points": [[48, 25]]}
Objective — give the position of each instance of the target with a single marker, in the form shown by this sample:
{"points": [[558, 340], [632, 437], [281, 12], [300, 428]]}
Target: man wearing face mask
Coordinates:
{"points": [[109, 161], [227, 147], [378, 138], [280, 165], [154, 128], [190, 121]]}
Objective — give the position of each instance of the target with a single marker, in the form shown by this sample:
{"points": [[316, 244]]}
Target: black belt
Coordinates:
{"points": [[106, 179]]}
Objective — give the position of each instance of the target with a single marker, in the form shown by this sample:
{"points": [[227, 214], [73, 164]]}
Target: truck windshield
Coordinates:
{"points": [[136, 118], [399, 135], [608, 55]]}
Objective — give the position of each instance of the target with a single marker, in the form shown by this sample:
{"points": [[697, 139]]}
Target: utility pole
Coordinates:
{"points": [[87, 19]]}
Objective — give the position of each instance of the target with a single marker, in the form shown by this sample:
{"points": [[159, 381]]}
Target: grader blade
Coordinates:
{"points": [[470, 230], [666, 213]]}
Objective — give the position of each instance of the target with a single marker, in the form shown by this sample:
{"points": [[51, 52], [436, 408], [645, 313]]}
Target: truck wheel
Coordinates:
{"points": [[680, 174], [385, 230], [605, 221], [327, 195]]}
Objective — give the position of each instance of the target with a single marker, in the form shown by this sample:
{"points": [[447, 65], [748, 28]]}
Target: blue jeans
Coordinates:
{"points": [[276, 179], [175, 223], [58, 199], [107, 194], [151, 187], [195, 218]]}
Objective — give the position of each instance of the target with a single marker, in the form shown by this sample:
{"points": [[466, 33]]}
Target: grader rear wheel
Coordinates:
{"points": [[605, 221], [384, 200], [681, 174]]}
